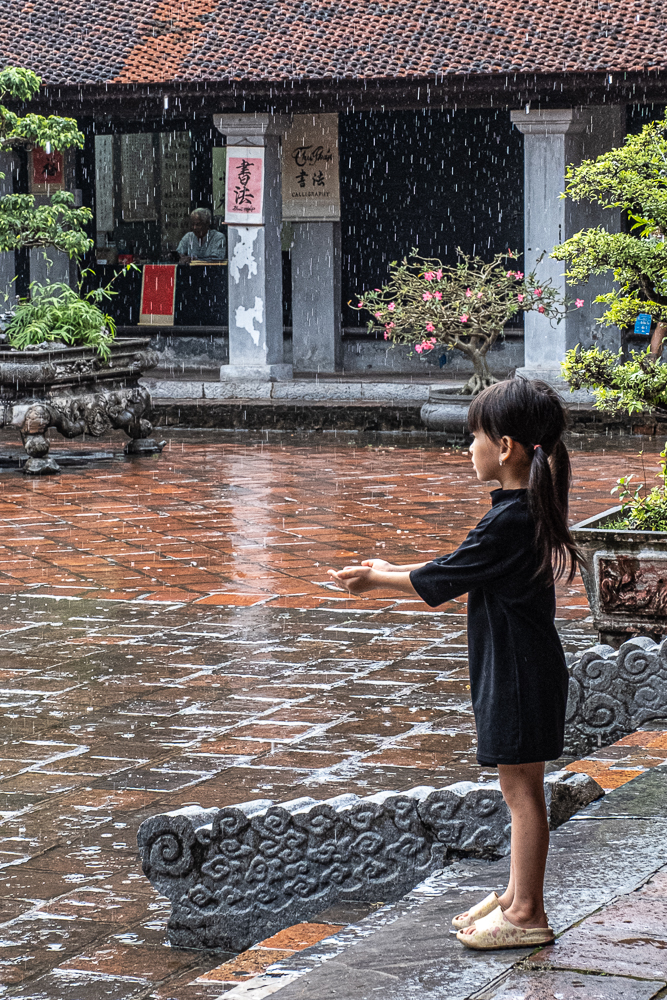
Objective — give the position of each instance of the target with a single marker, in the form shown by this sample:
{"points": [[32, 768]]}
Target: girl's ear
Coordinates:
{"points": [[506, 448]]}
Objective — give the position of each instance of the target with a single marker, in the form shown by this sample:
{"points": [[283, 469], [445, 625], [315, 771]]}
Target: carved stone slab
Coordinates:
{"points": [[239, 874], [613, 692]]}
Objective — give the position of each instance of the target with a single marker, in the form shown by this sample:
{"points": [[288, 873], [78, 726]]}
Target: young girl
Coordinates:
{"points": [[518, 679]]}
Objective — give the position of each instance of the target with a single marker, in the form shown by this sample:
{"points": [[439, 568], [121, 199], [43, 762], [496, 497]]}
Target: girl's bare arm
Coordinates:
{"points": [[361, 579], [387, 567]]}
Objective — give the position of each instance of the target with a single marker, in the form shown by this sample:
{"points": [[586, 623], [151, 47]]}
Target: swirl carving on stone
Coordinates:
{"points": [[238, 874]]}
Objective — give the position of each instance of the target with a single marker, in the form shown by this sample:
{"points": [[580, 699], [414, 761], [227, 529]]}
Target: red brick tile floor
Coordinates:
{"points": [[169, 636]]}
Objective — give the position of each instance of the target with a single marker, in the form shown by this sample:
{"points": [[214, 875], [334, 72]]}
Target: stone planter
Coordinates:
{"points": [[626, 579], [446, 411], [75, 391]]}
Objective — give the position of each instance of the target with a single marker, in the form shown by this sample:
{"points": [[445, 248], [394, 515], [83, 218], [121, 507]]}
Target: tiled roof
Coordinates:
{"points": [[159, 41]]}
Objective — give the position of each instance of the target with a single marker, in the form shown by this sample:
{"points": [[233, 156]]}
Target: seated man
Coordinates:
{"points": [[201, 243]]}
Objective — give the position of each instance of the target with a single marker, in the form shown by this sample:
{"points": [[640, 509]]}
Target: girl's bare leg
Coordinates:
{"points": [[523, 790]]}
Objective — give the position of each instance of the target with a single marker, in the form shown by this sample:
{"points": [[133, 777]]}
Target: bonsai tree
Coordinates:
{"points": [[53, 311], [464, 307], [633, 178]]}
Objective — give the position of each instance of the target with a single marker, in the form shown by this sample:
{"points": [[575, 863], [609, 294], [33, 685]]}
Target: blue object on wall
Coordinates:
{"points": [[643, 324], [443, 360]]}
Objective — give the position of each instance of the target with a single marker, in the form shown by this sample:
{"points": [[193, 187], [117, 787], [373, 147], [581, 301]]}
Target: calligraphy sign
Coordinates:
{"points": [[244, 185], [311, 189]]}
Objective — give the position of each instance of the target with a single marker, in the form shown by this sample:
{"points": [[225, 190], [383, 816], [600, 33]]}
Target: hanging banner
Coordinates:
{"points": [[310, 181], [104, 183], [158, 295], [244, 185], [137, 174], [174, 149], [47, 172], [219, 170]]}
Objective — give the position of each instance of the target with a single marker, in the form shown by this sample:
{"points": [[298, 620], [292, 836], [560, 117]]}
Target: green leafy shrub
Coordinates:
{"points": [[464, 307], [56, 312], [642, 509]]}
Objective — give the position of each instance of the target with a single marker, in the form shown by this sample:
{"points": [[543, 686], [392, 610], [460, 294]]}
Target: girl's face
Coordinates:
{"points": [[486, 454]]}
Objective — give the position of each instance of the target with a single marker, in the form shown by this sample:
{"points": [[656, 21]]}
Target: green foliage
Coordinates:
{"points": [[57, 312], [23, 223], [634, 179], [642, 510], [636, 385], [463, 306]]}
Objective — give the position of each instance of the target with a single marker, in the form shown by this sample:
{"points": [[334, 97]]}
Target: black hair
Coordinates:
{"points": [[532, 413]]}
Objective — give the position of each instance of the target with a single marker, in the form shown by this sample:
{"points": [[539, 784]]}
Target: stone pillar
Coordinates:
{"points": [[7, 261], [553, 139], [255, 261], [316, 306]]}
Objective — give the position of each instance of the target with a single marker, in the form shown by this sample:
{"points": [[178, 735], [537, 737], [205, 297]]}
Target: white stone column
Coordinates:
{"points": [[553, 139], [255, 261], [7, 260], [316, 291]]}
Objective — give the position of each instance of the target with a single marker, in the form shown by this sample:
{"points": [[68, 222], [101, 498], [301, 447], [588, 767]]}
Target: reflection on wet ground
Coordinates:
{"points": [[168, 637]]}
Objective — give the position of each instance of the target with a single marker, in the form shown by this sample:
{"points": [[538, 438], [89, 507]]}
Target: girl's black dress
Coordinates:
{"points": [[518, 677]]}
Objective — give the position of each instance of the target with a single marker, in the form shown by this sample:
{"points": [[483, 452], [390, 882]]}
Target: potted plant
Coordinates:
{"points": [[626, 545], [60, 365], [463, 307]]}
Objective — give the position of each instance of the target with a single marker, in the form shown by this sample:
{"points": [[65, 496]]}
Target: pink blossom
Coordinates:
{"points": [[468, 293], [391, 307], [510, 274], [438, 275], [386, 335], [538, 293], [430, 328], [418, 348], [438, 296], [578, 303], [464, 318], [479, 295], [429, 276], [361, 304], [521, 297], [540, 309], [378, 315], [518, 275], [426, 296], [426, 346]]}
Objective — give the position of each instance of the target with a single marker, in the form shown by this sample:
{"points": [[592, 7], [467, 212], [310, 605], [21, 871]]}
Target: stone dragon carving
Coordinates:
{"points": [[76, 392]]}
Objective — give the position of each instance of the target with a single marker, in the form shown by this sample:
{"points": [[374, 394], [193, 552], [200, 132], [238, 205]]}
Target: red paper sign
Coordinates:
{"points": [[158, 294], [47, 168], [244, 185]]}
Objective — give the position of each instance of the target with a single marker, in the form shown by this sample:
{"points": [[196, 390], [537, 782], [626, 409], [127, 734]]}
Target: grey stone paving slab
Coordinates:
{"points": [[628, 938], [543, 985], [592, 861], [626, 800]]}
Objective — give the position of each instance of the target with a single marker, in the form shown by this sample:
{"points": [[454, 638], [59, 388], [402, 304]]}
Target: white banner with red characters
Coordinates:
{"points": [[244, 186]]}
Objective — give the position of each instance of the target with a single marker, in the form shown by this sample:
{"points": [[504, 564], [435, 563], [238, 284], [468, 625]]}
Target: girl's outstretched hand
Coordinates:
{"points": [[381, 565], [355, 579]]}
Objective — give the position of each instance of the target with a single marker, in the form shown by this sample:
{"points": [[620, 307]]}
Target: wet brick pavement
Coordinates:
{"points": [[168, 636]]}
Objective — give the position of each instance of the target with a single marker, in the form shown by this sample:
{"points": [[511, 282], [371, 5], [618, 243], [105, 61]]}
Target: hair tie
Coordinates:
{"points": [[536, 446]]}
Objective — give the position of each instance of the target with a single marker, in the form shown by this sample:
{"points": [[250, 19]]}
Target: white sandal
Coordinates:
{"points": [[495, 931], [487, 905]]}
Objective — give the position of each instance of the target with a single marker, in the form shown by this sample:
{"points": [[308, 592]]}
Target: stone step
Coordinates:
{"points": [[310, 390]]}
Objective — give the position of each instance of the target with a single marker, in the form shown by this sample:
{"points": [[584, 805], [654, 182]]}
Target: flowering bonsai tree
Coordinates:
{"points": [[633, 178], [464, 307]]}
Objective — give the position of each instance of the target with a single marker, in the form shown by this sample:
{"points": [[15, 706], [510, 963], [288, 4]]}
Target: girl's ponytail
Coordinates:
{"points": [[532, 413], [548, 489]]}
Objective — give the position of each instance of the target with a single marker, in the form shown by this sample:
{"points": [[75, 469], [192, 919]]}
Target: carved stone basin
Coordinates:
{"points": [[626, 579], [75, 391]]}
